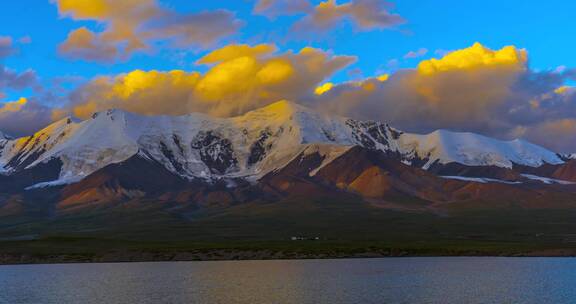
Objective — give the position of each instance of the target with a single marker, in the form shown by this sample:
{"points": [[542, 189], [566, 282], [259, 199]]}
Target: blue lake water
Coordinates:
{"points": [[394, 280]]}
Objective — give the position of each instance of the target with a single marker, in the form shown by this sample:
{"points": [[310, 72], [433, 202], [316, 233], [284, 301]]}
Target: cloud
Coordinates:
{"points": [[559, 134], [493, 92], [13, 80], [448, 92], [6, 47], [274, 8], [364, 15], [9, 46], [240, 78], [25, 40], [10, 79], [23, 117], [233, 51], [476, 56], [85, 44], [138, 25], [416, 54]]}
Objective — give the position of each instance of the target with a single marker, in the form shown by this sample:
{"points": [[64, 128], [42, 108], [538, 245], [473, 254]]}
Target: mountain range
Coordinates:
{"points": [[194, 167]]}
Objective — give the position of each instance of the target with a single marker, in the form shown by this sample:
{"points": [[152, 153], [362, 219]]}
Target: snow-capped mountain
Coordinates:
{"points": [[249, 146], [4, 136], [192, 146], [474, 150]]}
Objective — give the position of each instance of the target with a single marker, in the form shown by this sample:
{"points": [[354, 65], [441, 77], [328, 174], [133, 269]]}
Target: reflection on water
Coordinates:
{"points": [[399, 280]]}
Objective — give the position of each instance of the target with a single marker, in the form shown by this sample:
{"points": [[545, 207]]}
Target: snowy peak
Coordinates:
{"points": [[306, 125], [248, 146], [475, 150], [279, 111]]}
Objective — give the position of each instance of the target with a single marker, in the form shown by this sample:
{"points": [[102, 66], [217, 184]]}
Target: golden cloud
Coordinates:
{"points": [[565, 90], [473, 57], [233, 51], [240, 79], [14, 106], [324, 88], [95, 9]]}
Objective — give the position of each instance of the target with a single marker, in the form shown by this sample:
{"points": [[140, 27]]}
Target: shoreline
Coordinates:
{"points": [[251, 255]]}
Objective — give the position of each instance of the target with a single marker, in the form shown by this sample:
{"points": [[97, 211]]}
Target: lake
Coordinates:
{"points": [[389, 280]]}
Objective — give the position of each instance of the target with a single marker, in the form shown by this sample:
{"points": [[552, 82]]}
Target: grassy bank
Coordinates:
{"points": [[265, 231]]}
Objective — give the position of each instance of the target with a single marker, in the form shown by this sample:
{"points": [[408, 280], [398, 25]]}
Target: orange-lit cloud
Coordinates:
{"points": [[240, 79], [135, 25], [13, 106]]}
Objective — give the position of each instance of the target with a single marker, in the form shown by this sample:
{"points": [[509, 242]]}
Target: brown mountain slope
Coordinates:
{"points": [[381, 179], [357, 174], [566, 171]]}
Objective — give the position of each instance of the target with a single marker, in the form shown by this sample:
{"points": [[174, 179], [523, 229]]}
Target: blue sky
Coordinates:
{"points": [[545, 28]]}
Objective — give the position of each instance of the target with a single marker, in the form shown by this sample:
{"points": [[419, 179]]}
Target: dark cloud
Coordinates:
{"points": [[23, 117], [10, 79]]}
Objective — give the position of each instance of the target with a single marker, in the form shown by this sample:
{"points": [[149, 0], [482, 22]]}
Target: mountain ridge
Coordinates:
{"points": [[247, 146]]}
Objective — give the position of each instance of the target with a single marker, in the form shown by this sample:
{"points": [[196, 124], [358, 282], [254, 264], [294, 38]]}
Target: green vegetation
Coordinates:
{"points": [[262, 230]]}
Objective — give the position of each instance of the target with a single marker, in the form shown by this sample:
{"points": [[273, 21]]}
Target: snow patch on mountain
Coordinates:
{"points": [[547, 180], [58, 182], [329, 153], [482, 180]]}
